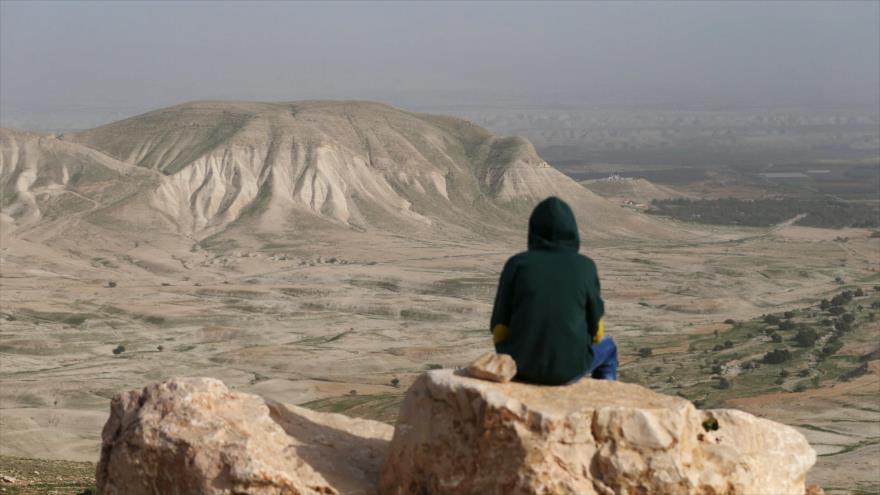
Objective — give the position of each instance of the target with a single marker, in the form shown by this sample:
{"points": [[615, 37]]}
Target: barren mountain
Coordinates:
{"points": [[201, 168]]}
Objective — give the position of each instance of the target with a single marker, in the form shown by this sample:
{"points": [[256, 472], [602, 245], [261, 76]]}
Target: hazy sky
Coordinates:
{"points": [[149, 54]]}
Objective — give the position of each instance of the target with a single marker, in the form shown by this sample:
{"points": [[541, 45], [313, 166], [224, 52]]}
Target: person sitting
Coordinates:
{"points": [[548, 312]]}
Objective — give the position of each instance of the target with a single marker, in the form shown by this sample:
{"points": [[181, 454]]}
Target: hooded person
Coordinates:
{"points": [[548, 309]]}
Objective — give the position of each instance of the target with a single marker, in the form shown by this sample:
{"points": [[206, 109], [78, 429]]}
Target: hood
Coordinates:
{"points": [[552, 226]]}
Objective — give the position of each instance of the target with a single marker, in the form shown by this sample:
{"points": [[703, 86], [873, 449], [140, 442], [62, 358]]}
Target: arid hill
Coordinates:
{"points": [[631, 190], [201, 168]]}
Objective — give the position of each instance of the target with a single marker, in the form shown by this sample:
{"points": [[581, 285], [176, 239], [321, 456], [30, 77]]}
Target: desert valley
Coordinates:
{"points": [[326, 253]]}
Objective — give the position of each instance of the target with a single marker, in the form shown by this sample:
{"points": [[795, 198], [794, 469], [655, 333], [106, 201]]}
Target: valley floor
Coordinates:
{"points": [[345, 324]]}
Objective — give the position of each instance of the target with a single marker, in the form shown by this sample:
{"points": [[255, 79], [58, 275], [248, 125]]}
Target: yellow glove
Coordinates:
{"points": [[500, 333], [600, 332]]}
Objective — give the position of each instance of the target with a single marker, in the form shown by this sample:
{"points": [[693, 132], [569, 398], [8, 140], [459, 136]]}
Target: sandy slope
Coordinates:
{"points": [[631, 191]]}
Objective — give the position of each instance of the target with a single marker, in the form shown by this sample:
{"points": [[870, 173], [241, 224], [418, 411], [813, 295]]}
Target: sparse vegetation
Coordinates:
{"points": [[777, 356], [818, 212], [806, 337]]}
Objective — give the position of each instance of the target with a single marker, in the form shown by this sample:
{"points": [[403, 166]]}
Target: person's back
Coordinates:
{"points": [[548, 308]]}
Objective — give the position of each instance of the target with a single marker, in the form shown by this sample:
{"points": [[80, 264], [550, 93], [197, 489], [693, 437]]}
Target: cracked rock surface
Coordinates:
{"points": [[194, 435], [459, 435]]}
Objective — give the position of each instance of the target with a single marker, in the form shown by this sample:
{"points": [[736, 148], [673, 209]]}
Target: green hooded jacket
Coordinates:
{"points": [[548, 306]]}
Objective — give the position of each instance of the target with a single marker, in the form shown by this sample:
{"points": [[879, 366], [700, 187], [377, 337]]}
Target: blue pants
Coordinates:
{"points": [[604, 365]]}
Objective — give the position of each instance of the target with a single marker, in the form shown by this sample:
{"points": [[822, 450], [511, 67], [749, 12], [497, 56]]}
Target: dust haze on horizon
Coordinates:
{"points": [[81, 64]]}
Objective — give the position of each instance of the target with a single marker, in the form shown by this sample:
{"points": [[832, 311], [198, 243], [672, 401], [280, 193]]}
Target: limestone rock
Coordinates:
{"points": [[193, 435], [458, 435], [493, 367]]}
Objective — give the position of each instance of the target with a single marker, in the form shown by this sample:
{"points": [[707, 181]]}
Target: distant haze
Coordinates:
{"points": [[126, 57]]}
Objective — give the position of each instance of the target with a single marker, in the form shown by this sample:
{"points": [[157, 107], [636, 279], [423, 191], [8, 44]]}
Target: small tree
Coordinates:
{"points": [[777, 356], [771, 320], [806, 337]]}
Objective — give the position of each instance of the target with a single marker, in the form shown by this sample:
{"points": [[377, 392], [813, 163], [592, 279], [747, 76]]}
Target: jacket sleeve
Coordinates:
{"points": [[595, 309], [503, 303]]}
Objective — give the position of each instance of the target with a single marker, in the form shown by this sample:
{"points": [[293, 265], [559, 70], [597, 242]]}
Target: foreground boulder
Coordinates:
{"points": [[460, 435], [195, 436]]}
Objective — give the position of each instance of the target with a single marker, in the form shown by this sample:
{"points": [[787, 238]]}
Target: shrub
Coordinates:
{"points": [[433, 366], [836, 311], [842, 298], [806, 337], [730, 321], [119, 349], [775, 337], [716, 370], [848, 317], [160, 347], [771, 320], [723, 383], [800, 387], [786, 325], [711, 424], [788, 315], [728, 344], [645, 352], [395, 382], [777, 356], [831, 347], [75, 320]]}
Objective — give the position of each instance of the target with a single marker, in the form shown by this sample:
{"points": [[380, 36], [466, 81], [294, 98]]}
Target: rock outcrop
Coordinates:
{"points": [[460, 435], [193, 435], [493, 367], [455, 435]]}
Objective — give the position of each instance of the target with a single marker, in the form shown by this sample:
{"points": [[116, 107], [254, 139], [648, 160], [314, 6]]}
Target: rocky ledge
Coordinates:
{"points": [[459, 435], [455, 435]]}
